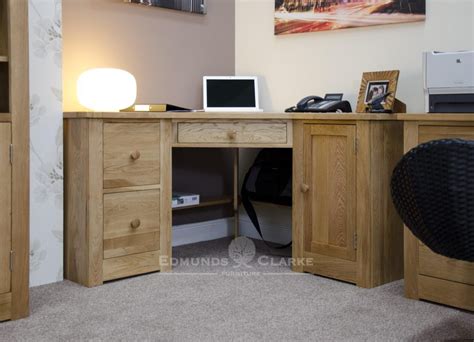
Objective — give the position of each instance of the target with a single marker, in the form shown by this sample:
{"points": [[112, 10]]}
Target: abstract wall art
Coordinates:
{"points": [[299, 16]]}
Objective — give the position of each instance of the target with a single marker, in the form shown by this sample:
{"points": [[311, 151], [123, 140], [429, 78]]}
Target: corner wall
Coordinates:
{"points": [[291, 67], [167, 51], [294, 66]]}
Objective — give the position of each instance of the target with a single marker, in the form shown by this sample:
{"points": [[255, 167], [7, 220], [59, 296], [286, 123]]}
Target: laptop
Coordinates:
{"points": [[230, 94]]}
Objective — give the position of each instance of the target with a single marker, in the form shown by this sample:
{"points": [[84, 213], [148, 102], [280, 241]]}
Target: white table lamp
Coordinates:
{"points": [[106, 89]]}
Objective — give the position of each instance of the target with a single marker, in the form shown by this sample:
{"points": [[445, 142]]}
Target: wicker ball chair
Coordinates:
{"points": [[433, 191]]}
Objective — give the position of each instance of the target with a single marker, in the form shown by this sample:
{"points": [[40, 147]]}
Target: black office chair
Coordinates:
{"points": [[433, 191]]}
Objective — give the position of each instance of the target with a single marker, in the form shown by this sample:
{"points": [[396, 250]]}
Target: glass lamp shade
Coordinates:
{"points": [[106, 89]]}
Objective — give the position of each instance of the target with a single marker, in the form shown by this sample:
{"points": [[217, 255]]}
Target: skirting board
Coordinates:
{"points": [[202, 231], [221, 228]]}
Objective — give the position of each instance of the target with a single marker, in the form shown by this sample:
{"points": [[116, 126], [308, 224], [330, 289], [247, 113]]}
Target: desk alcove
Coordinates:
{"points": [[118, 189], [216, 174], [209, 173]]}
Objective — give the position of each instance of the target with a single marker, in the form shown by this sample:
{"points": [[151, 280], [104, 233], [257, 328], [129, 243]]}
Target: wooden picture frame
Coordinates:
{"points": [[375, 84]]}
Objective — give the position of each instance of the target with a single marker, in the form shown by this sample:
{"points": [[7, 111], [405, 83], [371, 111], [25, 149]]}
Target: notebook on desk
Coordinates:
{"points": [[230, 94]]}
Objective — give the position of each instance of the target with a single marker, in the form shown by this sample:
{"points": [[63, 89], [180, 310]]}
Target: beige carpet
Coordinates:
{"points": [[223, 303]]}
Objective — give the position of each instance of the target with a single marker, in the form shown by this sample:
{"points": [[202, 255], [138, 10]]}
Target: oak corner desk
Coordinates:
{"points": [[118, 188]]}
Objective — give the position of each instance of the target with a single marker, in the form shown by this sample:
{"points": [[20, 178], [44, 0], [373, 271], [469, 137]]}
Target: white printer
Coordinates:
{"points": [[449, 82]]}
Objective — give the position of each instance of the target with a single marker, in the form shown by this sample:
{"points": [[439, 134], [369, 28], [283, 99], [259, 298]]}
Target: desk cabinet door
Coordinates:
{"points": [[5, 208], [330, 180]]}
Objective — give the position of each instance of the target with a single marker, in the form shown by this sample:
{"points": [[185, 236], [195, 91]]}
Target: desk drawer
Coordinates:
{"points": [[233, 133], [428, 133], [131, 223], [131, 154]]}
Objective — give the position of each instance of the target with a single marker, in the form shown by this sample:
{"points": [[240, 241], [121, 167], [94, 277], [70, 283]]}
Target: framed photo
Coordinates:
{"points": [[377, 91]]}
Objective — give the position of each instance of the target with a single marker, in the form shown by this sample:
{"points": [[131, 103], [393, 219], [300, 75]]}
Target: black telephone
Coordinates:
{"points": [[316, 104]]}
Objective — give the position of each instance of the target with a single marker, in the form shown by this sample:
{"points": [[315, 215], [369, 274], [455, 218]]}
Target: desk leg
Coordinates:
{"points": [[236, 193], [166, 220]]}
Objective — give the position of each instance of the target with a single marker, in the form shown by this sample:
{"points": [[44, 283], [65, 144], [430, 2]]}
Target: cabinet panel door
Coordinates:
{"points": [[330, 172], [5, 208]]}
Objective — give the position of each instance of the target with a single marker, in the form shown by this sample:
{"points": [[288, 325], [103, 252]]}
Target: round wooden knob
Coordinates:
{"points": [[135, 155], [135, 223], [304, 188], [232, 134]]}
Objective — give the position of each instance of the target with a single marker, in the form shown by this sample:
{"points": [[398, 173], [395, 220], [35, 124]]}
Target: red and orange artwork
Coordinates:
{"points": [[298, 16]]}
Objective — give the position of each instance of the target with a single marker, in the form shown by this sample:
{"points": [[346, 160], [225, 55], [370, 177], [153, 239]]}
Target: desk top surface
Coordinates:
{"points": [[269, 116]]}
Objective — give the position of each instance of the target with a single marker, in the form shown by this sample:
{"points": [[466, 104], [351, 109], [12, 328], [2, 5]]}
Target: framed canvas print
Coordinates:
{"points": [[377, 92], [298, 16]]}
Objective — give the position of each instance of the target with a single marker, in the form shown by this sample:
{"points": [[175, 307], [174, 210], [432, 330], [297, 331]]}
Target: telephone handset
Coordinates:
{"points": [[316, 104], [308, 101]]}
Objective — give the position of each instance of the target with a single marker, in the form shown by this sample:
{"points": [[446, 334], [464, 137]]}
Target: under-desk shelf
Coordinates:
{"points": [[3, 59], [208, 203]]}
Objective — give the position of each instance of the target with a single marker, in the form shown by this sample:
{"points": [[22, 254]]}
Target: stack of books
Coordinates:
{"points": [[159, 107]]}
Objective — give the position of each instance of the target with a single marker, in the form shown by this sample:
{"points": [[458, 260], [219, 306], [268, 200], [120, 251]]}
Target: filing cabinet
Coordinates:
{"points": [[118, 185], [428, 275]]}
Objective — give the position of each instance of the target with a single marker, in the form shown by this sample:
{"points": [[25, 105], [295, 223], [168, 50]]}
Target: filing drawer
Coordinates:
{"points": [[275, 132], [130, 265], [435, 265], [447, 292], [131, 154], [131, 222], [428, 133]]}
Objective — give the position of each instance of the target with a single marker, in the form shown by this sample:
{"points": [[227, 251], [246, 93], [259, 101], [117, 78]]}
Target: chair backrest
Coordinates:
{"points": [[433, 191]]}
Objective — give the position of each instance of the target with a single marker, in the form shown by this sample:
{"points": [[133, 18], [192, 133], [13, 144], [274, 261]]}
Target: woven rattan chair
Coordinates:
{"points": [[433, 191]]}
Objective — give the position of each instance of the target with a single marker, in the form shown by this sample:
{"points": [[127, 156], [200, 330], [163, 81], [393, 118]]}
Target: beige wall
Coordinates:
{"points": [[167, 51], [294, 66]]}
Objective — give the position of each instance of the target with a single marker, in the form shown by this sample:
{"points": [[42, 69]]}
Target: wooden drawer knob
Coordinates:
{"points": [[232, 135], [135, 155], [135, 223], [304, 188]]}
